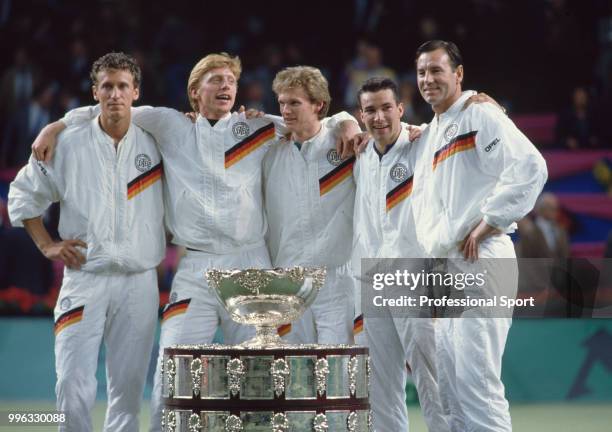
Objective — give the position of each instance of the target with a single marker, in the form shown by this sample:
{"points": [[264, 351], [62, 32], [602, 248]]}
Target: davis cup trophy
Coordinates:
{"points": [[264, 384]]}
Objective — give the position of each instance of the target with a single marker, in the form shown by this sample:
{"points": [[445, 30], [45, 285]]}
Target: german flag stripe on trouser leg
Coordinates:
{"points": [[67, 319], [175, 309], [283, 330], [358, 325]]}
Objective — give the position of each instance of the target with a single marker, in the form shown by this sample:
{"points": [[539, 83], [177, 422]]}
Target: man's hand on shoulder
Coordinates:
{"points": [[348, 129], [43, 146], [251, 113], [360, 143], [482, 98]]}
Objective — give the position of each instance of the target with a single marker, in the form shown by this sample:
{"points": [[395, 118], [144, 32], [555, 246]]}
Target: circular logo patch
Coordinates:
{"points": [[173, 297], [333, 157], [143, 162], [451, 131], [398, 173], [240, 130], [65, 303]]}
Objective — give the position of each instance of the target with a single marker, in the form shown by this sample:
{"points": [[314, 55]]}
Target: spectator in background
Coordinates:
{"points": [[265, 73], [543, 237], [16, 86], [253, 94], [576, 125], [604, 108], [77, 72], [413, 111], [367, 64], [23, 126], [18, 82]]}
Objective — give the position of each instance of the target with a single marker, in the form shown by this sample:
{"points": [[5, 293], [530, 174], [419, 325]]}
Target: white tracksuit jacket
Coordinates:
{"points": [[110, 199], [500, 171], [309, 196]]}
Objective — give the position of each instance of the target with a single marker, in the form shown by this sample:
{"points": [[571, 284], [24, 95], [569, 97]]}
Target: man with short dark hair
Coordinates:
{"points": [[476, 176], [106, 176], [384, 228]]}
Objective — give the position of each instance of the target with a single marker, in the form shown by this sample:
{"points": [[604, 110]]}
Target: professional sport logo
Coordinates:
{"points": [[240, 130], [451, 131], [173, 297], [398, 173], [65, 303], [143, 162], [333, 157]]}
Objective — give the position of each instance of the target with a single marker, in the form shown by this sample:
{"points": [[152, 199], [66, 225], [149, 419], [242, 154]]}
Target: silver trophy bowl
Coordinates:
{"points": [[266, 298]]}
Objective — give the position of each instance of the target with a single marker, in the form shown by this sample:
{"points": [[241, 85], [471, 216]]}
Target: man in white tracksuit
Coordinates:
{"points": [[384, 228], [477, 174], [213, 201], [106, 175], [309, 196]]}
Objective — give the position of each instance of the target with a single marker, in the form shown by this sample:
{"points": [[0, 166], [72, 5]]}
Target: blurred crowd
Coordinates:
{"points": [[543, 55], [552, 56]]}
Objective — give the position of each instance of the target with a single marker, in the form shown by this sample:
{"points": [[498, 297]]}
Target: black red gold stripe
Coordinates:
{"points": [[399, 193], [336, 176], [175, 309], [67, 319], [458, 144], [144, 180], [284, 329], [249, 144], [358, 325]]}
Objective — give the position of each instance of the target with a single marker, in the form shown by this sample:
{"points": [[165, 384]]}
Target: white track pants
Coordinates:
{"points": [[470, 349], [329, 320], [120, 309]]}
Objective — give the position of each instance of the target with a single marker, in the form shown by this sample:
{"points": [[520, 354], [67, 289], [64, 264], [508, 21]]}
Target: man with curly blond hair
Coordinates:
{"points": [[309, 194]]}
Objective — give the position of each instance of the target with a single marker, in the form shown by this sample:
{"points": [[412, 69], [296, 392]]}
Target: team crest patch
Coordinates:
{"points": [[173, 297], [240, 130], [451, 131], [143, 162], [65, 303], [398, 173], [333, 157]]}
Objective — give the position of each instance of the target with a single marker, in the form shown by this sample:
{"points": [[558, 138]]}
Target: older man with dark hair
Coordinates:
{"points": [[477, 175]]}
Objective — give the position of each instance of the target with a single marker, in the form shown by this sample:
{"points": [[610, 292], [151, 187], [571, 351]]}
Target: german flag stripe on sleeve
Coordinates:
{"points": [[175, 309], [144, 180], [336, 176], [399, 193], [249, 144], [284, 329], [358, 325], [458, 144], [67, 319]]}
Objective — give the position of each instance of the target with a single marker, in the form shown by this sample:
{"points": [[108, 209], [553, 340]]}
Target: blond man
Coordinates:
{"points": [[309, 194]]}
